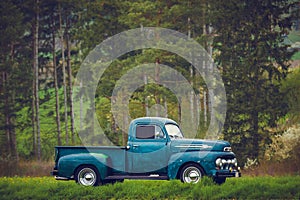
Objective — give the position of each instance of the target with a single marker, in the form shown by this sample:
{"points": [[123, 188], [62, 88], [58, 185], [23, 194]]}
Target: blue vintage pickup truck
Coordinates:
{"points": [[156, 149]]}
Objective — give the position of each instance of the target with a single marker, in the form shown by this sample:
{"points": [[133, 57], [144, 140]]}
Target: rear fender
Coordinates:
{"points": [[68, 164]]}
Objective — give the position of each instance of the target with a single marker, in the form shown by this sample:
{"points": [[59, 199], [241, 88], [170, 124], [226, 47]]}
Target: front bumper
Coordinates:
{"points": [[227, 173]]}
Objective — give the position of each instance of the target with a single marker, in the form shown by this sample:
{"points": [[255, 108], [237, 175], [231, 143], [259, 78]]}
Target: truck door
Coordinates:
{"points": [[148, 150]]}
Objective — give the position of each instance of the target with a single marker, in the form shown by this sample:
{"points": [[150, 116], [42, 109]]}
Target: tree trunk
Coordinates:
{"points": [[58, 127], [255, 126], [157, 81], [192, 96], [36, 77], [12, 118], [13, 139], [70, 83], [198, 106], [166, 107], [64, 73], [125, 120], [33, 118], [6, 112], [191, 79], [81, 109], [211, 93], [9, 119], [146, 99], [124, 134], [179, 110], [205, 107]]}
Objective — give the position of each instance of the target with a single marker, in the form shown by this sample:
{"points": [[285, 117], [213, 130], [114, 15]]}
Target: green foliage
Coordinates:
{"points": [[253, 59], [240, 188], [149, 95], [291, 89], [14, 72], [47, 125], [248, 46], [285, 147]]}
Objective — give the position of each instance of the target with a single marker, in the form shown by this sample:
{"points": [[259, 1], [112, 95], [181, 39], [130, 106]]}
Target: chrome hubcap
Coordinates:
{"points": [[191, 175], [87, 177]]}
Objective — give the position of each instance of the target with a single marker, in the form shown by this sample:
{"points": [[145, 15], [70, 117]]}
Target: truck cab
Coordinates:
{"points": [[156, 149]]}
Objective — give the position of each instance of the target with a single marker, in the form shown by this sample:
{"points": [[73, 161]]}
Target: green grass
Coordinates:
{"points": [[294, 36], [235, 188], [296, 56]]}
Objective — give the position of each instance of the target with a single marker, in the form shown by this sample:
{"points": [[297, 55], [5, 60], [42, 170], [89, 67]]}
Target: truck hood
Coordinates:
{"points": [[199, 145]]}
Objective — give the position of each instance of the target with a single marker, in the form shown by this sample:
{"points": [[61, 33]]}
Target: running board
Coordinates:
{"points": [[62, 178], [144, 177]]}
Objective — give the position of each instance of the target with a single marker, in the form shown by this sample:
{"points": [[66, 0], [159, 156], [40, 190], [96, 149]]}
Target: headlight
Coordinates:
{"points": [[227, 149], [219, 162], [235, 162]]}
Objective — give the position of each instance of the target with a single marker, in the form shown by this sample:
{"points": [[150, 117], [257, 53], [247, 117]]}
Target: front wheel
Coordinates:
{"points": [[87, 176], [191, 173]]}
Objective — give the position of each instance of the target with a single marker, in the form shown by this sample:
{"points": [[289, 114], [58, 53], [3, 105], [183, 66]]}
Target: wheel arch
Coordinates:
{"points": [[100, 170], [84, 165], [99, 180], [188, 163]]}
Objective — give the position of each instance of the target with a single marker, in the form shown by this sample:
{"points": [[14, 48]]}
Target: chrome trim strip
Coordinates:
{"points": [[194, 146]]}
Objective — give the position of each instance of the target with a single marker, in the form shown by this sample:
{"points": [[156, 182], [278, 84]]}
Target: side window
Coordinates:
{"points": [[145, 132], [149, 132]]}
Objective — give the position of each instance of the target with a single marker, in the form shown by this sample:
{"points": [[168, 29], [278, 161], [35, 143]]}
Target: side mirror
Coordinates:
{"points": [[159, 134]]}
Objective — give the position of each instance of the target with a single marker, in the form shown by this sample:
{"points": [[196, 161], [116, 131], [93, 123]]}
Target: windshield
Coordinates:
{"points": [[173, 131]]}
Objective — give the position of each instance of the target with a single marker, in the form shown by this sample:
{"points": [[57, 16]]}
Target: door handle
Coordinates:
{"points": [[135, 145]]}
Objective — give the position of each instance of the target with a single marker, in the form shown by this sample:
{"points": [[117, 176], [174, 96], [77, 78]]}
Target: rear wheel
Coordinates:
{"points": [[87, 176], [191, 173]]}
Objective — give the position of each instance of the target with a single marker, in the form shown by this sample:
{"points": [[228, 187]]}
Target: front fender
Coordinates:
{"points": [[206, 159], [69, 163]]}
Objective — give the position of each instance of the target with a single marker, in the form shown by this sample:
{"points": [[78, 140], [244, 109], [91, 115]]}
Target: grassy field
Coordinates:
{"points": [[286, 187], [294, 37]]}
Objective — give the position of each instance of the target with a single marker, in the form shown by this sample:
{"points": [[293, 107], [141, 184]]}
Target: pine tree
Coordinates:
{"points": [[253, 60], [12, 68]]}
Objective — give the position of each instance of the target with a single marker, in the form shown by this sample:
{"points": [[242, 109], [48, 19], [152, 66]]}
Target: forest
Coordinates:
{"points": [[255, 46]]}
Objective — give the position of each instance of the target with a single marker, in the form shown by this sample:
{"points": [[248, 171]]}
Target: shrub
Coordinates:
{"points": [[284, 146]]}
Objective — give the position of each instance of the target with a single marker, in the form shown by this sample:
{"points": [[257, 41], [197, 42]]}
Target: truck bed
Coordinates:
{"points": [[117, 155]]}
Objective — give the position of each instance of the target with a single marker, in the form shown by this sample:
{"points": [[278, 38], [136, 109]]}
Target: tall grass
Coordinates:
{"points": [[25, 168], [288, 167], [235, 188]]}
